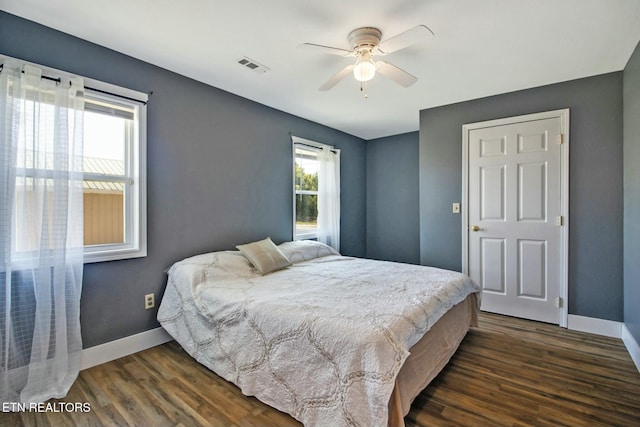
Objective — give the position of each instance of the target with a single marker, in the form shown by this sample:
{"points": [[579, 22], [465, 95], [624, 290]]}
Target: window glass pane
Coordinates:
{"points": [[28, 195], [306, 188], [103, 212], [306, 213], [105, 143], [306, 170], [36, 144]]}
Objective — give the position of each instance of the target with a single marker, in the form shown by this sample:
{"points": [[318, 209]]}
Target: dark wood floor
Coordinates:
{"points": [[507, 372]]}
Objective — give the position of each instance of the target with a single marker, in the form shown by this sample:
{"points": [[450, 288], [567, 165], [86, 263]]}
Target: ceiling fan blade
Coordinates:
{"points": [[396, 74], [326, 49], [337, 77], [402, 40]]}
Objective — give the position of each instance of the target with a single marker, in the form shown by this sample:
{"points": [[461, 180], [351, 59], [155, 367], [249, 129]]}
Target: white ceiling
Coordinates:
{"points": [[480, 47]]}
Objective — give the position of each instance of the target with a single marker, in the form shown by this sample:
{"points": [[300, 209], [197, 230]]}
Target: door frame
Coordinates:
{"points": [[563, 115]]}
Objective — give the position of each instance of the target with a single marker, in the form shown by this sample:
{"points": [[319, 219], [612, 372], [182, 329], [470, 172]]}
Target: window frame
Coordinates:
{"points": [[311, 146], [135, 182]]}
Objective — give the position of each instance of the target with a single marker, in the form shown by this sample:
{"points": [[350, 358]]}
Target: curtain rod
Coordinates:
{"points": [[311, 144], [59, 80], [332, 149], [117, 95]]}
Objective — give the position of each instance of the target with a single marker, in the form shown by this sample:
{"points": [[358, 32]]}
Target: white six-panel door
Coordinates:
{"points": [[516, 217]]}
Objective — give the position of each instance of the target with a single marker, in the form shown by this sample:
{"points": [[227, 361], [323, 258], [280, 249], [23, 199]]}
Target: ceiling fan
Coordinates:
{"points": [[365, 44]]}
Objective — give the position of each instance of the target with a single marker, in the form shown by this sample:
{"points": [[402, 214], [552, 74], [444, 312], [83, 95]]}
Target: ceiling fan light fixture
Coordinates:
{"points": [[365, 44], [365, 69]]}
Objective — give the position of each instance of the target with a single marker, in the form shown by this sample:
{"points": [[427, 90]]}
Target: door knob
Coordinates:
{"points": [[475, 228]]}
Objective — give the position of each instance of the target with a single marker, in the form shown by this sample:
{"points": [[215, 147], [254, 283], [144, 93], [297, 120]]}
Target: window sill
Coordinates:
{"points": [[306, 236], [94, 255]]}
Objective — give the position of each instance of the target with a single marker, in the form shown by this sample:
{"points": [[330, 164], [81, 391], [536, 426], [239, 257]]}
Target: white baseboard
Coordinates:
{"points": [[113, 350], [632, 346], [608, 328]]}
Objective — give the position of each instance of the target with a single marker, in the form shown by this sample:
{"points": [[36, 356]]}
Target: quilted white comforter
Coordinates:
{"points": [[322, 340]]}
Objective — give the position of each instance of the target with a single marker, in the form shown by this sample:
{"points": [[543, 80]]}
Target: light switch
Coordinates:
{"points": [[456, 208]]}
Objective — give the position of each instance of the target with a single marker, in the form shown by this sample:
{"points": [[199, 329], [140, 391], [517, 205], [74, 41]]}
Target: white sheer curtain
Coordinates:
{"points": [[329, 197], [41, 226]]}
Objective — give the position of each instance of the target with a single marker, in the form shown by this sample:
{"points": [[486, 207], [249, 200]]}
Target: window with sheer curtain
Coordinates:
{"points": [[316, 191], [114, 169], [61, 142]]}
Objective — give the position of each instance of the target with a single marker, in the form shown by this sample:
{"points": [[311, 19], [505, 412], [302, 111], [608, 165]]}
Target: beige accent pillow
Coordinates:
{"points": [[264, 255]]}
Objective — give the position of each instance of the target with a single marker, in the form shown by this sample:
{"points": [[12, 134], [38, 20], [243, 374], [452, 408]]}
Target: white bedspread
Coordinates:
{"points": [[322, 340]]}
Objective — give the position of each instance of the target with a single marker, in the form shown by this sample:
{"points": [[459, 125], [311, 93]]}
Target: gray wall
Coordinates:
{"points": [[392, 198], [595, 183], [631, 102], [219, 174]]}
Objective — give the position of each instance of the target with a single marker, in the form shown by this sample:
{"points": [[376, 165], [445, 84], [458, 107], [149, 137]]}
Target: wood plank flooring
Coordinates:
{"points": [[507, 372]]}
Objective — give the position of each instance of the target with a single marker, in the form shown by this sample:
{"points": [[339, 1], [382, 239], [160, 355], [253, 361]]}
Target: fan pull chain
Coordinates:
{"points": [[363, 88]]}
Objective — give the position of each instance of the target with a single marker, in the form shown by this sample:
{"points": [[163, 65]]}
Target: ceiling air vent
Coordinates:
{"points": [[253, 65]]}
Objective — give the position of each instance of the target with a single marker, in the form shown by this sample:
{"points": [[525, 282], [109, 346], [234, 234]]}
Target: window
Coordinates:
{"points": [[114, 176], [306, 192], [113, 165], [316, 192]]}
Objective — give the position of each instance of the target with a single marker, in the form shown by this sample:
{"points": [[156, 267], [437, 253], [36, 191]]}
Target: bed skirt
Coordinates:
{"points": [[429, 356]]}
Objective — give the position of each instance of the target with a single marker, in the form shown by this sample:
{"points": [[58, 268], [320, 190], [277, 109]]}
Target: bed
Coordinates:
{"points": [[332, 340]]}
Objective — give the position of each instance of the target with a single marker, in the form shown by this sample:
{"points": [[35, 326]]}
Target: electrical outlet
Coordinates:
{"points": [[149, 301]]}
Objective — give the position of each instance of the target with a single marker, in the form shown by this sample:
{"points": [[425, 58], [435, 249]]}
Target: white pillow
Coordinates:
{"points": [[305, 250], [230, 264], [264, 255], [234, 263]]}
